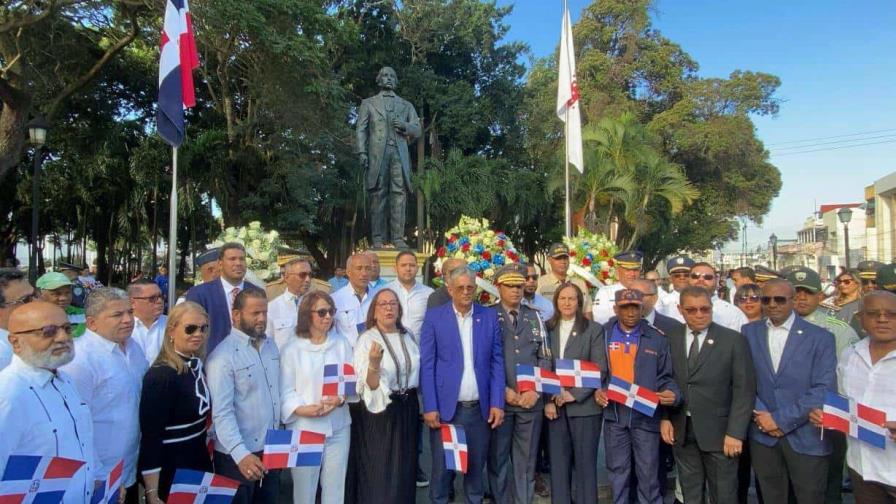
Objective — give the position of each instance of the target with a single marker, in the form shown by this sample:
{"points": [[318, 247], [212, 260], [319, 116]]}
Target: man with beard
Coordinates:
{"points": [[244, 384], [41, 412], [108, 372]]}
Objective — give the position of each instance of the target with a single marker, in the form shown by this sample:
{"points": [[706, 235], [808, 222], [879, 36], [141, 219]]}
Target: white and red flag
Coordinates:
{"points": [[568, 95]]}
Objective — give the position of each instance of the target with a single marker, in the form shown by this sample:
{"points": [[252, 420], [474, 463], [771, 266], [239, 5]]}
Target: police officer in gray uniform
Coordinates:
{"points": [[511, 464]]}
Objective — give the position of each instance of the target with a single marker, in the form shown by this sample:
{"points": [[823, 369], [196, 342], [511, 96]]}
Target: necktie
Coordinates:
{"points": [[694, 351], [296, 300], [513, 315], [233, 293]]}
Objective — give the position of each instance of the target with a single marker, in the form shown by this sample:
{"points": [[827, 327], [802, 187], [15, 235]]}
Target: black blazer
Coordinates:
{"points": [[585, 345], [665, 324], [719, 392]]}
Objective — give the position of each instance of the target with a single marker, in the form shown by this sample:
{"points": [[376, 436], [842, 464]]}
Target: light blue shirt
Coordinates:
{"points": [[5, 349], [244, 384]]}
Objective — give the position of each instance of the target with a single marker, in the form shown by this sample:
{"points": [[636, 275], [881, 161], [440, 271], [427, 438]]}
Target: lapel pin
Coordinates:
{"points": [[799, 331], [477, 321], [709, 341]]}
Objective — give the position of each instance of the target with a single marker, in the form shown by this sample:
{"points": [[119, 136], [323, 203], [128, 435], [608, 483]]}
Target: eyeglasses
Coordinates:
{"points": [[302, 274], [705, 276], [681, 274], [691, 310], [49, 331], [22, 300], [152, 299], [779, 300], [844, 281], [868, 281], [323, 312], [531, 277], [466, 288], [387, 304], [190, 329], [877, 314], [748, 299]]}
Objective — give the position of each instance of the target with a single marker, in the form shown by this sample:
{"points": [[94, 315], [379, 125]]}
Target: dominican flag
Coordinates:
{"points": [[292, 448], [537, 379], [454, 444], [178, 60], [568, 95], [32, 479], [197, 487], [107, 493], [638, 398], [339, 379], [854, 419], [578, 373]]}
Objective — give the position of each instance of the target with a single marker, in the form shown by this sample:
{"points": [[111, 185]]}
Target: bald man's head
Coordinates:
{"points": [[452, 264], [41, 335], [879, 316], [649, 289]]}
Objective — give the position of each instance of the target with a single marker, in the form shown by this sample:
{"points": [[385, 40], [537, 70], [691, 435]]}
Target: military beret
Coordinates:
{"points": [[629, 296], [805, 278], [63, 266], [679, 263], [206, 257], [764, 273], [630, 259], [886, 277], [868, 269], [511, 274], [558, 250]]}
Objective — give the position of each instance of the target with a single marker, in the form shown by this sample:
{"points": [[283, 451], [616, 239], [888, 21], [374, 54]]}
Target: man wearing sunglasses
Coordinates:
{"points": [[795, 368], [41, 411], [868, 275], [108, 371], [807, 284], [149, 322], [283, 311], [14, 292], [679, 269], [703, 275]]}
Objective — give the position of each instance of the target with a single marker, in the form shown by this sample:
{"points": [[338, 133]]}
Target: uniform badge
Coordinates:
{"points": [[800, 276]]}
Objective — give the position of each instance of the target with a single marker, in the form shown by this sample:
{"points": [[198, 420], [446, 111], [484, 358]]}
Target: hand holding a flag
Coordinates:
{"points": [[563, 397], [252, 468], [600, 396]]}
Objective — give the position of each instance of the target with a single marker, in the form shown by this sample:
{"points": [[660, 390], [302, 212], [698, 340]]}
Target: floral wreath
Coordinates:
{"points": [[261, 247], [591, 258]]}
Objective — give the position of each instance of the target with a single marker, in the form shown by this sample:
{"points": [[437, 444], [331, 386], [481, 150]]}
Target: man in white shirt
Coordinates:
{"points": [[353, 300], [41, 412], [725, 314], [283, 311], [149, 323], [679, 270], [244, 383], [867, 372], [628, 269], [14, 291], [412, 294], [108, 371]]}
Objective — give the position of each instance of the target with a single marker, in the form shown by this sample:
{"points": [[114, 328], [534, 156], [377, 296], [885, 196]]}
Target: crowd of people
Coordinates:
{"points": [[740, 377]]}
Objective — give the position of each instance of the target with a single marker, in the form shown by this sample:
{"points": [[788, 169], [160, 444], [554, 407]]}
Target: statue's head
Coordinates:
{"points": [[387, 79]]}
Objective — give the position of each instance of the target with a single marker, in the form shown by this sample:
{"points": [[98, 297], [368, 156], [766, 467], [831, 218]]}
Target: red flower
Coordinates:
{"points": [[500, 243], [452, 239], [586, 262], [610, 263], [465, 247], [605, 274], [512, 255], [487, 255], [572, 253], [483, 298], [442, 251]]}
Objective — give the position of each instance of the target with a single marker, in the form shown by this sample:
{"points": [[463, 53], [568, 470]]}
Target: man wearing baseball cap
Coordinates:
{"points": [[56, 288], [558, 259], [79, 292]]}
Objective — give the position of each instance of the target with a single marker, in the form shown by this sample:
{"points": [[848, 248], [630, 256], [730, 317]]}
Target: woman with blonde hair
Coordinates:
{"points": [[174, 406]]}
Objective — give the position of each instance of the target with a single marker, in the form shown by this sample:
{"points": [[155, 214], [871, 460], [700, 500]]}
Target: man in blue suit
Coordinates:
{"points": [[217, 296], [462, 380], [795, 366]]}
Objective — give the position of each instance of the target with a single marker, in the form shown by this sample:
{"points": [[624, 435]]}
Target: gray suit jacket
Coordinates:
{"points": [[719, 391], [586, 345]]}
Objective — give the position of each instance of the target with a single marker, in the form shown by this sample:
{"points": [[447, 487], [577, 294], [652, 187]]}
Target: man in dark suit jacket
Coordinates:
{"points": [[462, 380], [217, 296], [714, 371], [795, 367]]}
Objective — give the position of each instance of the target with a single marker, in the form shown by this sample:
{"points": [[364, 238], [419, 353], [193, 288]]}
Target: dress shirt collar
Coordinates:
{"points": [[863, 350], [100, 341], [701, 335], [243, 337], [36, 376], [786, 325], [462, 315], [228, 287], [650, 317], [139, 323]]}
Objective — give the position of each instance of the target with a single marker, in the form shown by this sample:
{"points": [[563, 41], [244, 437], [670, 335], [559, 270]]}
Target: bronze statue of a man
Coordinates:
{"points": [[386, 124]]}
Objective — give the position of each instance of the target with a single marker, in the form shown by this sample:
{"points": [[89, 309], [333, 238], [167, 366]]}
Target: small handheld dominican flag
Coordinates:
{"points": [[197, 487], [29, 478], [292, 448], [638, 398], [537, 379], [107, 493], [339, 379], [854, 419], [454, 443], [578, 373]]}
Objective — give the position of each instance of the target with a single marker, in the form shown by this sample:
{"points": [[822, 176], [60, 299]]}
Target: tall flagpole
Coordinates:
{"points": [[172, 233], [567, 211]]}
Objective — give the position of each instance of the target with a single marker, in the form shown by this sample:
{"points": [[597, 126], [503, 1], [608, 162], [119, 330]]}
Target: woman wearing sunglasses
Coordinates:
{"points": [[305, 406], [747, 299], [386, 424], [174, 405], [844, 304]]}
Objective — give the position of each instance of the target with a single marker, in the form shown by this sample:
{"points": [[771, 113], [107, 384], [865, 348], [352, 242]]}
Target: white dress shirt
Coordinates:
{"points": [[565, 331], [872, 385], [302, 380], [244, 385], [228, 292], [469, 390], [350, 311], [689, 340], [109, 380], [390, 381], [604, 300], [150, 338], [5, 349], [413, 305], [283, 315], [777, 338], [42, 414], [668, 305]]}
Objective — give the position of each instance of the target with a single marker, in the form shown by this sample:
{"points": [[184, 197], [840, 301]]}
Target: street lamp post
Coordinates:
{"points": [[773, 240], [845, 215], [37, 135]]}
